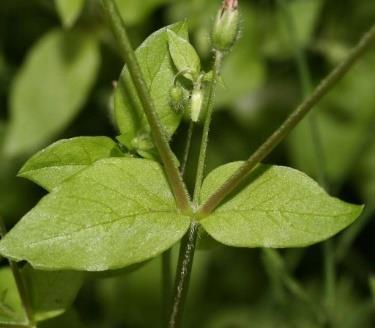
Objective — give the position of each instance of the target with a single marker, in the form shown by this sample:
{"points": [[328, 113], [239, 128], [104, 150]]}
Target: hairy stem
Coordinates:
{"points": [[185, 263], [293, 119], [206, 128], [187, 249], [187, 148], [21, 287], [166, 284], [174, 177]]}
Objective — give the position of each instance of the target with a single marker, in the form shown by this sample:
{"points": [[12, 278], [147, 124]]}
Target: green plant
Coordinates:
{"points": [[109, 208]]}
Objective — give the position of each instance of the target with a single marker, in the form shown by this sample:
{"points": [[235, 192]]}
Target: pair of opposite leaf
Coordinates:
{"points": [[106, 210]]}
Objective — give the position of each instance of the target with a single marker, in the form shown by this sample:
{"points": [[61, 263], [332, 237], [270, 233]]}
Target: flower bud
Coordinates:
{"points": [[177, 101], [226, 26], [196, 104]]}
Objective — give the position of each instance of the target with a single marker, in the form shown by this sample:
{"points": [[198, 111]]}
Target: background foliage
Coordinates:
{"points": [[58, 61]]}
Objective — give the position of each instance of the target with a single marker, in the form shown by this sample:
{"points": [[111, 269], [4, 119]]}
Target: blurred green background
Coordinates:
{"points": [[58, 61]]}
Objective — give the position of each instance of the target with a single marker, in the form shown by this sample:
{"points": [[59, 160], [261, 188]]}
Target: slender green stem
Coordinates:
{"points": [[294, 118], [307, 87], [206, 128], [185, 263], [166, 284], [187, 248], [187, 148], [160, 139], [21, 287], [306, 82]]}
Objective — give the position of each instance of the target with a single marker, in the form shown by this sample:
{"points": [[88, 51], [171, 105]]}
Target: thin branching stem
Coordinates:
{"points": [[187, 148], [206, 128], [21, 287], [188, 243], [306, 83], [293, 119], [174, 177]]}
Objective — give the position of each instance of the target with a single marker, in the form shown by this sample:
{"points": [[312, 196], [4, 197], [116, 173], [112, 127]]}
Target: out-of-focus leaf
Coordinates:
{"points": [[52, 292], [69, 11], [276, 207], [159, 72], [372, 287], [343, 122], [69, 319], [59, 161], [50, 89], [135, 11], [305, 14], [11, 309], [117, 212], [184, 55]]}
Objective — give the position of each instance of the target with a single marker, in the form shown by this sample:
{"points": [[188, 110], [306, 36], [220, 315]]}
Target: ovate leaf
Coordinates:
{"points": [[117, 212], [11, 309], [50, 89], [135, 11], [159, 71], [184, 55], [54, 164], [69, 11], [276, 207], [52, 292]]}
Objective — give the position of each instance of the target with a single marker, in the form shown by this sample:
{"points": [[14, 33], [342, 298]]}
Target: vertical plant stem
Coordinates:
{"points": [[185, 263], [174, 177], [166, 284], [188, 243], [206, 128], [21, 287], [292, 120], [187, 148], [306, 82]]}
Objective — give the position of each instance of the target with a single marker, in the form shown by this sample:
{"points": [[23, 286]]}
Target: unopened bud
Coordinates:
{"points": [[226, 26], [177, 100], [196, 104]]}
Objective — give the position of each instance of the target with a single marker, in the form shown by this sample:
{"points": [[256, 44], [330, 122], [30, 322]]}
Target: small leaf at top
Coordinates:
{"points": [[54, 164], [116, 212], [69, 11], [184, 56], [276, 207], [159, 72]]}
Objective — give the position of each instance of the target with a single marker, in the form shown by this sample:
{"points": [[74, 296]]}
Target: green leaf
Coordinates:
{"points": [[372, 287], [159, 71], [277, 207], [117, 212], [50, 89], [305, 15], [69, 11], [11, 309], [184, 55], [59, 161], [135, 11], [52, 292]]}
